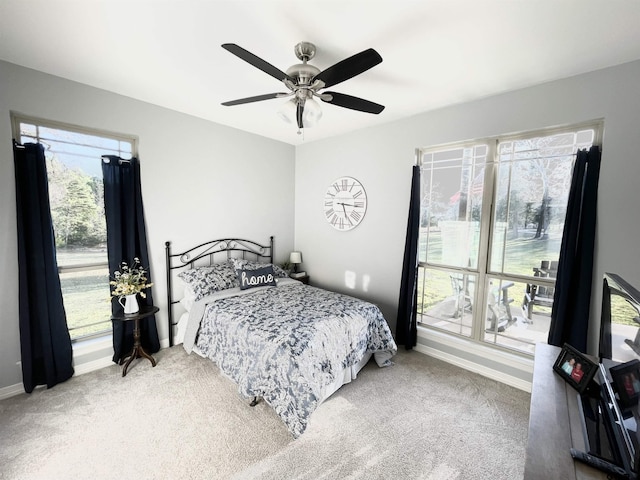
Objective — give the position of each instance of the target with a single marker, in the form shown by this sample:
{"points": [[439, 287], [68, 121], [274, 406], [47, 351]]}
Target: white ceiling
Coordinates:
{"points": [[435, 53]]}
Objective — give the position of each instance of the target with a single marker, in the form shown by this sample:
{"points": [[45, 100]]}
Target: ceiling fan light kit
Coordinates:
{"points": [[311, 114], [304, 81]]}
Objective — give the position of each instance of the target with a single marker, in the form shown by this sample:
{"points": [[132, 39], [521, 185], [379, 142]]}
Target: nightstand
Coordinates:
{"points": [[304, 279], [137, 351]]}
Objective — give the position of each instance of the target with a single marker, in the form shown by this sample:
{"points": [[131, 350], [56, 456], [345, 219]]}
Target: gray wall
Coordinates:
{"points": [[381, 158], [200, 181], [191, 171]]}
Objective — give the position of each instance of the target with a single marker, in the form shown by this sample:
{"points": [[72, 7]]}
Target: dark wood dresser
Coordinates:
{"points": [[554, 425]]}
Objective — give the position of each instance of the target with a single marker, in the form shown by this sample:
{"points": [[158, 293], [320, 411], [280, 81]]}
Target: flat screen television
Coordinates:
{"points": [[609, 429], [620, 320], [609, 411]]}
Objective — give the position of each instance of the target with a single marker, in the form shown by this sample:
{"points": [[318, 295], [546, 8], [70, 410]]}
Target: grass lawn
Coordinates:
{"points": [[522, 255], [86, 294]]}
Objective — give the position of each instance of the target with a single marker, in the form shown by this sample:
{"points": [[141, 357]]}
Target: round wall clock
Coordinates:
{"points": [[345, 203]]}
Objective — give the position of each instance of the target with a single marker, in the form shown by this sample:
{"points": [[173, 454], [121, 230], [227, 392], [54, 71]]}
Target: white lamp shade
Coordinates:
{"points": [[287, 111], [295, 257], [311, 114]]}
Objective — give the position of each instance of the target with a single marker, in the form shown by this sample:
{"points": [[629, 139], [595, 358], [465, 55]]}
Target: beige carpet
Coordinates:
{"points": [[419, 419]]}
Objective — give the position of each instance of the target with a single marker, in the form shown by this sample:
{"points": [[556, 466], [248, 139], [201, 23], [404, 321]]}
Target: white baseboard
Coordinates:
{"points": [[92, 366], [481, 351], [475, 368], [18, 388], [11, 391]]}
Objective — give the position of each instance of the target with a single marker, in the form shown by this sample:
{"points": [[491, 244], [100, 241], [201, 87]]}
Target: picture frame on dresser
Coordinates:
{"points": [[575, 368]]}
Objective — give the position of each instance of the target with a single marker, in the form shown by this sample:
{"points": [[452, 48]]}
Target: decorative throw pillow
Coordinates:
{"points": [[207, 280], [242, 264], [259, 277]]}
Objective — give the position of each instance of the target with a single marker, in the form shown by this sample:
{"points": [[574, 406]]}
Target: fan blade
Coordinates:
{"points": [[299, 112], [256, 61], [354, 103], [257, 98], [349, 67]]}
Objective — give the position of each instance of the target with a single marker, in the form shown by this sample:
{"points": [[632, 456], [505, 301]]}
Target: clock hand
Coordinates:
{"points": [[346, 215], [343, 204]]}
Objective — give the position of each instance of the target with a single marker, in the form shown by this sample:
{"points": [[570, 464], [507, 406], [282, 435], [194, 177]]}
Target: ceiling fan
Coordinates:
{"points": [[305, 81]]}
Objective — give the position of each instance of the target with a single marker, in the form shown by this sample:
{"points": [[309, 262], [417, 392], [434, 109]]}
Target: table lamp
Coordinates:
{"points": [[295, 258]]}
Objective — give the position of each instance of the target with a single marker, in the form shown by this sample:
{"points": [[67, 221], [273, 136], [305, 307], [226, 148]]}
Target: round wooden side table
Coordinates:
{"points": [[137, 351]]}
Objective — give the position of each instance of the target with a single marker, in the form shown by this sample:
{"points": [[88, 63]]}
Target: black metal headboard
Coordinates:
{"points": [[207, 254]]}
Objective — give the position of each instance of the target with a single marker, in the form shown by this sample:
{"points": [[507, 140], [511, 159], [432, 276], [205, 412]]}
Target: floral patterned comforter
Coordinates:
{"points": [[286, 343]]}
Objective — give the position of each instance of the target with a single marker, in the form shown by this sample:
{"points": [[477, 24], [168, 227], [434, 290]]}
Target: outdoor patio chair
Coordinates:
{"points": [[499, 309], [460, 287], [536, 294]]}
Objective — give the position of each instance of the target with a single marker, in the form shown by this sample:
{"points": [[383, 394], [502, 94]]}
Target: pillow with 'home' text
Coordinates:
{"points": [[259, 277]]}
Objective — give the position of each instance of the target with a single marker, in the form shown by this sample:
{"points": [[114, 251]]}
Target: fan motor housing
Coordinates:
{"points": [[303, 73]]}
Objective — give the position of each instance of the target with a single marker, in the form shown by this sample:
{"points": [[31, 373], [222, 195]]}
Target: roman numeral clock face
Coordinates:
{"points": [[345, 203]]}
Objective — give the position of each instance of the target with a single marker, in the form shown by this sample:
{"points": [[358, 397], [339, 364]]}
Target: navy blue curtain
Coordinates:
{"points": [[572, 297], [406, 327], [45, 344], [126, 240]]}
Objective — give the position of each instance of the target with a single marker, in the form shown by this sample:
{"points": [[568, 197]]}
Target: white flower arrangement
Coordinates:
{"points": [[130, 280]]}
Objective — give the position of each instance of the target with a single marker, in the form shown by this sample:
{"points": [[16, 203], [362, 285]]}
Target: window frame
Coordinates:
{"points": [[16, 120], [489, 199]]}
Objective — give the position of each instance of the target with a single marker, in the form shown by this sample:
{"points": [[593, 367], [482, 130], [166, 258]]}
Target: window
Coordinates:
{"points": [[492, 218], [73, 157]]}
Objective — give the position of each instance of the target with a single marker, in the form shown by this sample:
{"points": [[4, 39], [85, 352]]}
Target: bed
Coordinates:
{"points": [[290, 344]]}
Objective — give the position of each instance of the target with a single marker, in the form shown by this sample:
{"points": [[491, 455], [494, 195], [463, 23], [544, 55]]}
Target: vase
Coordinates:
{"points": [[129, 303]]}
